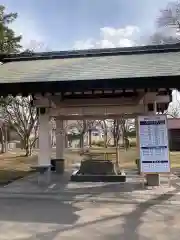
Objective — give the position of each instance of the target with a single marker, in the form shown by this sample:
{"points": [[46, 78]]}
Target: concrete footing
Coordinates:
{"points": [[98, 178], [153, 179], [58, 165]]}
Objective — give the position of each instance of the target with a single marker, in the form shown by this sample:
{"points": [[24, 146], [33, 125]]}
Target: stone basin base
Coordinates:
{"points": [[98, 178]]}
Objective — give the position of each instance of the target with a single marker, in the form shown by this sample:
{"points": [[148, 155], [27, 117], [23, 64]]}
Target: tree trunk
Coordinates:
{"points": [[31, 145], [105, 139], [66, 140], [5, 139], [90, 137], [115, 141], [82, 140], [27, 150], [2, 140], [30, 149], [114, 133], [27, 145]]}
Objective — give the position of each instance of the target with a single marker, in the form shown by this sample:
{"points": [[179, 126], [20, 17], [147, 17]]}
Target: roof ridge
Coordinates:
{"points": [[26, 56]]}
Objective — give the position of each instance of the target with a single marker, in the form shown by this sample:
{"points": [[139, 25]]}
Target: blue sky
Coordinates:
{"points": [[67, 24]]}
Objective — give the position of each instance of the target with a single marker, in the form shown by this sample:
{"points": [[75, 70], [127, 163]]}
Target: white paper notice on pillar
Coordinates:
{"points": [[154, 144]]}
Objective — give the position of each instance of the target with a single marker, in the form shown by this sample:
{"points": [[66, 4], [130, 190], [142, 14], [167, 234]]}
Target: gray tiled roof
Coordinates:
{"points": [[119, 66]]}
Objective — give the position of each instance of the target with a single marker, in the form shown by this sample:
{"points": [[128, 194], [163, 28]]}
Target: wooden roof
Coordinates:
{"points": [[104, 69], [91, 65]]}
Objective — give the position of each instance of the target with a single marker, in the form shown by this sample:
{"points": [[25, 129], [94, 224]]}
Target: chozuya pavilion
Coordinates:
{"points": [[91, 84]]}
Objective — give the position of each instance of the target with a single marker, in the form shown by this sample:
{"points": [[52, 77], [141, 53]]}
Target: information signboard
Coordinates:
{"points": [[153, 143]]}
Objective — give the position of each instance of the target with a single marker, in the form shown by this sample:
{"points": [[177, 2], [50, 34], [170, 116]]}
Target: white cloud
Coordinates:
{"points": [[84, 44], [110, 37], [31, 37], [37, 46]]}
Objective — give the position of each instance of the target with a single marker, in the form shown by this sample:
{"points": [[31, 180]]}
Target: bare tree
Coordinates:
{"points": [[117, 129], [36, 46], [120, 128], [80, 128], [23, 119], [174, 110], [170, 16], [104, 125], [114, 130], [3, 136], [168, 25], [86, 126], [90, 124], [159, 38], [52, 131]]}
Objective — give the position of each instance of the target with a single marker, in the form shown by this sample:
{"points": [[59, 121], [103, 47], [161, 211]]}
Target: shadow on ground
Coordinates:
{"points": [[60, 186], [68, 215], [8, 176], [132, 222], [38, 211], [63, 186]]}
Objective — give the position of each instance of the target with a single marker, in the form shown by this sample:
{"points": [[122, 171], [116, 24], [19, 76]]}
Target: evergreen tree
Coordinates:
{"points": [[9, 42]]}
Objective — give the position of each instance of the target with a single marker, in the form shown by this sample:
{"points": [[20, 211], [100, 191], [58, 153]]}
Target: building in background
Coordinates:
{"points": [[174, 134]]}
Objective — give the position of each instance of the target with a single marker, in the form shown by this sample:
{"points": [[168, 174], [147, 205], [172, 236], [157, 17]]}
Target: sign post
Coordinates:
{"points": [[154, 146]]}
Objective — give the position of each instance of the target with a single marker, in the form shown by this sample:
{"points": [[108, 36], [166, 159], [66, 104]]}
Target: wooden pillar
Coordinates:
{"points": [[137, 145], [153, 179], [44, 139], [60, 146]]}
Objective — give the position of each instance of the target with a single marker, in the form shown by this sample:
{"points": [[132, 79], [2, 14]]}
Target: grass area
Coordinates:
{"points": [[175, 159], [127, 158], [14, 166]]}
